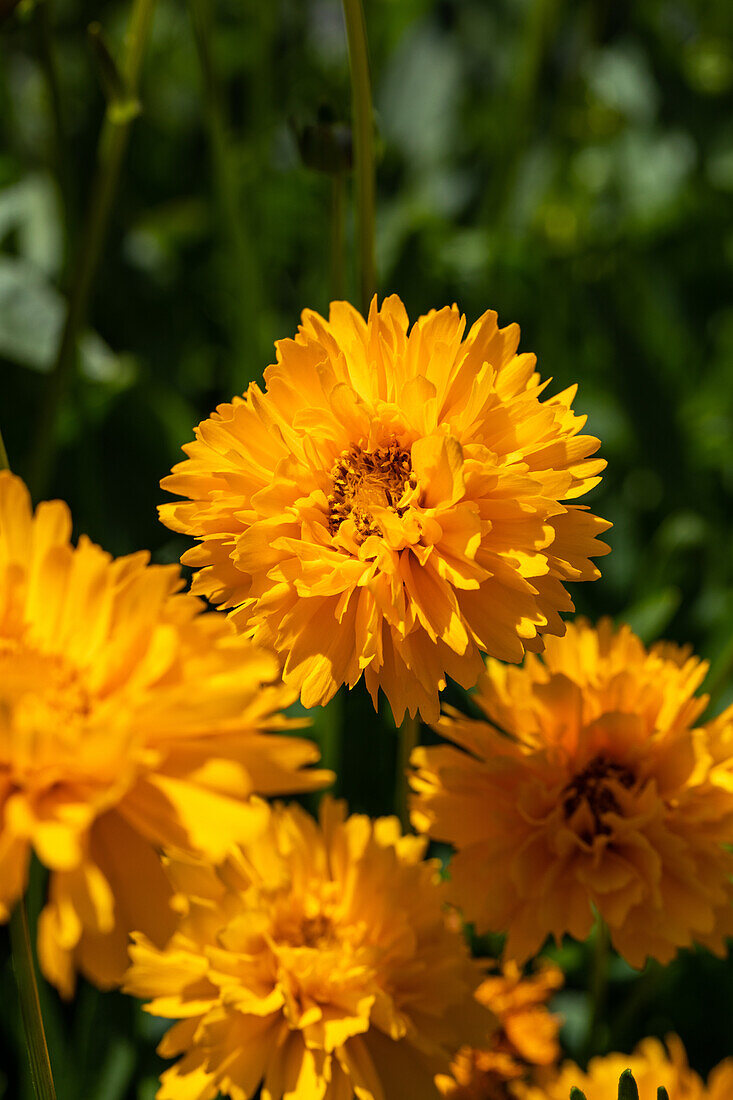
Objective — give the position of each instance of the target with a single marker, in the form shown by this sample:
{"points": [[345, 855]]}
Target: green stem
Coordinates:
{"points": [[337, 236], [25, 972], [44, 43], [30, 1006], [518, 107], [243, 291], [363, 129], [331, 728], [409, 738], [598, 985], [110, 153]]}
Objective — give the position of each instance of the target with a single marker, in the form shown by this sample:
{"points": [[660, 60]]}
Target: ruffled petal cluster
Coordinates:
{"points": [[316, 961], [588, 788], [129, 721], [652, 1066], [526, 1036], [394, 503]]}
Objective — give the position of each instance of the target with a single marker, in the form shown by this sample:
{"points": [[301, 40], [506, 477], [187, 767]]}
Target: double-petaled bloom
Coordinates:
{"points": [[129, 721], [588, 789], [651, 1065], [394, 503], [524, 1039], [317, 962]]}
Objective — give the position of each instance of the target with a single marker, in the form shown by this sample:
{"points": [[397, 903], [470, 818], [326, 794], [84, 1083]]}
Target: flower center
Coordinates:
{"points": [[49, 735], [592, 786], [311, 926], [317, 931], [41, 697], [367, 480]]}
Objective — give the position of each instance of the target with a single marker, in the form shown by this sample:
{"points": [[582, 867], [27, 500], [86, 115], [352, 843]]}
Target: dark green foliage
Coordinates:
{"points": [[627, 1089], [570, 165]]}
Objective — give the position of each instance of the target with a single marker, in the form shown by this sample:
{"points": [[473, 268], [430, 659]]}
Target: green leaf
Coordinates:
{"points": [[651, 616], [32, 313], [627, 1089], [576, 1094], [30, 210], [148, 1088], [117, 1071], [662, 1093]]}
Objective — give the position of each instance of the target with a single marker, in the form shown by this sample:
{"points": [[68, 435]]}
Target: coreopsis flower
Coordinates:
{"points": [[393, 504], [317, 961], [128, 721], [587, 790], [651, 1064], [526, 1036]]}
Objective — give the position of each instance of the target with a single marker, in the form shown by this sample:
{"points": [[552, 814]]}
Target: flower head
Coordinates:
{"points": [[393, 504], [651, 1064], [588, 788], [317, 960], [128, 721], [526, 1036]]}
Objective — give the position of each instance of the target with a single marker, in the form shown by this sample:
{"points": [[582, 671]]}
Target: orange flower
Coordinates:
{"points": [[651, 1066], [588, 788], [393, 504], [128, 721], [317, 961], [526, 1036]]}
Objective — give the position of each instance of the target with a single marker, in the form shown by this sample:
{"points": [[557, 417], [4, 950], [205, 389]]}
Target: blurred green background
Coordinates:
{"points": [[567, 164]]}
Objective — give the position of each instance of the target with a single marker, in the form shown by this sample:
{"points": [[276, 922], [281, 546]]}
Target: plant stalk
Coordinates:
{"points": [[409, 738], [337, 236], [110, 153], [331, 739], [243, 288], [43, 17], [598, 985], [25, 972], [363, 133], [30, 1005]]}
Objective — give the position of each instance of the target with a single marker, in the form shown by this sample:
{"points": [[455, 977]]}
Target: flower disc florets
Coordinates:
{"points": [[128, 721], [588, 789], [317, 962], [364, 481], [393, 504]]}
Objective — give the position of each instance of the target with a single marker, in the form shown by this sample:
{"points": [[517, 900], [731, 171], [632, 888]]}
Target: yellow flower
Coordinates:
{"points": [[651, 1066], [128, 721], [317, 960], [526, 1036], [392, 504], [589, 787]]}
